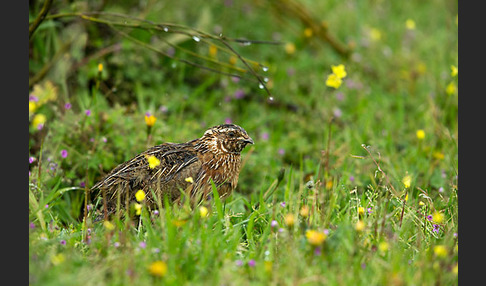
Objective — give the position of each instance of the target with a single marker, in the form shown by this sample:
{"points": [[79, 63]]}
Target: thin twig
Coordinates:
{"points": [[38, 20]]}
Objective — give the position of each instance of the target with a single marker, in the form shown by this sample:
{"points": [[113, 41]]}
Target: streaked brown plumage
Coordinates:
{"points": [[216, 156]]}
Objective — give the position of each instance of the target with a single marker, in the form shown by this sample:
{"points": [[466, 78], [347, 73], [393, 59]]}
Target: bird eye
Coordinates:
{"points": [[231, 134]]}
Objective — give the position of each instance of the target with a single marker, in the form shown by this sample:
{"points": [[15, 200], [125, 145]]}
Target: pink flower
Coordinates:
{"points": [[64, 153], [227, 120], [67, 106], [87, 112]]}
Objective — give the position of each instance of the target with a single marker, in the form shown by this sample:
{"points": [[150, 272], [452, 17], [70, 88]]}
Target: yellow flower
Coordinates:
{"points": [[455, 269], [108, 225], [421, 203], [158, 268], [339, 71], [315, 237], [57, 259], [438, 217], [289, 220], [189, 180], [333, 81], [32, 106], [383, 246], [375, 34], [438, 155], [454, 70], [360, 225], [440, 251], [268, 265], [360, 210], [232, 60], [153, 161], [38, 120], [304, 211], [290, 48], [407, 180], [100, 67], [451, 88], [329, 185], [410, 24], [420, 134], [308, 32], [140, 195], [213, 50], [406, 197], [179, 222], [150, 120], [45, 93], [138, 209], [203, 211]]}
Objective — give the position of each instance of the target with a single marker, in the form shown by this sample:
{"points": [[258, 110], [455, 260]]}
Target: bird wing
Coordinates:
{"points": [[173, 157]]}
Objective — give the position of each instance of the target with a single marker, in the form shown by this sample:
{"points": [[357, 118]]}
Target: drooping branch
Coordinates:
{"points": [[38, 20]]}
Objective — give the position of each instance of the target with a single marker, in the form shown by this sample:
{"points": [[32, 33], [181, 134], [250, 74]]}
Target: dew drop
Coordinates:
{"points": [[265, 79], [246, 43], [261, 86], [195, 38], [166, 29], [264, 68], [270, 98], [363, 145]]}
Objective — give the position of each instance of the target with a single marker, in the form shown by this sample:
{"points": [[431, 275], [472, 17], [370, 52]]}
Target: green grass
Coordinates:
{"points": [[308, 152]]}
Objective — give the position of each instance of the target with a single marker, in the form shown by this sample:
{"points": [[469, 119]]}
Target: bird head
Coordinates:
{"points": [[227, 138]]}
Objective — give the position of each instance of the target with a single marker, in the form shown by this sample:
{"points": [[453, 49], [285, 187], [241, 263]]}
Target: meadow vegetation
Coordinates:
{"points": [[352, 106]]}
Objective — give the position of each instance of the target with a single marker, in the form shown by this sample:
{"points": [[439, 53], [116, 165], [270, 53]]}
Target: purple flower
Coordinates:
{"points": [[282, 204], [116, 244], [274, 223], [235, 79], [163, 109], [239, 263], [33, 98], [340, 96], [239, 94], [64, 153], [87, 112], [351, 178], [104, 139], [63, 242], [281, 151], [337, 112], [82, 184], [441, 189], [369, 210], [436, 228], [31, 225], [40, 126], [67, 106], [317, 251], [227, 120], [46, 206], [31, 160], [265, 136], [429, 217], [88, 207], [142, 244], [156, 212], [251, 263]]}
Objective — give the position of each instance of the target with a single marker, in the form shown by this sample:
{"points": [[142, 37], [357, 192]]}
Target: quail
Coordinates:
{"points": [[174, 169]]}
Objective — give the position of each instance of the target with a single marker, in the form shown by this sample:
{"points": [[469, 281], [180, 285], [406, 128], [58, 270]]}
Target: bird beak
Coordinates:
{"points": [[248, 140]]}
